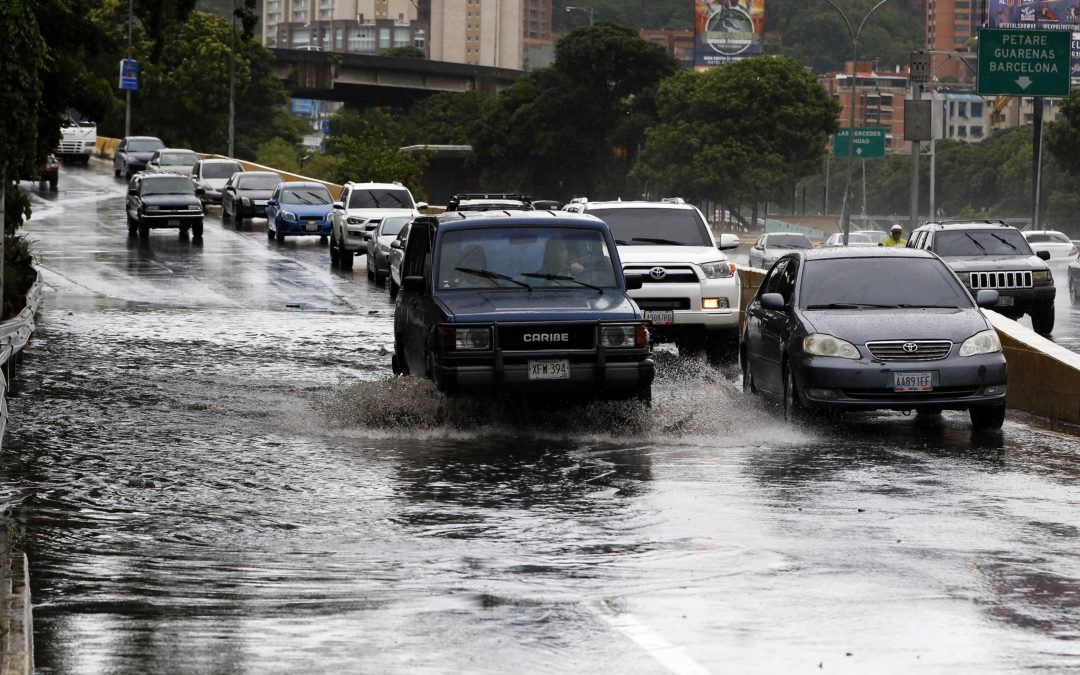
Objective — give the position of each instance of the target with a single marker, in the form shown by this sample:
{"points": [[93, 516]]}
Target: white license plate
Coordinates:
{"points": [[1005, 301], [311, 227], [660, 318], [173, 222], [913, 382], [549, 369]]}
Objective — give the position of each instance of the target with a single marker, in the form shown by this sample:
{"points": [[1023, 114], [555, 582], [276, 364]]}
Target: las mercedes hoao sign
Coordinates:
{"points": [[1020, 62]]}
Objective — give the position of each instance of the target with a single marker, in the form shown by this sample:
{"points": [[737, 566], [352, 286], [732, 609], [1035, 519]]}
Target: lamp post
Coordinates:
{"points": [[127, 101], [582, 9], [232, 83], [845, 211]]}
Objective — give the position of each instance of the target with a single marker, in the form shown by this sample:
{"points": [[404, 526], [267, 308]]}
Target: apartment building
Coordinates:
{"points": [[951, 26], [878, 100]]}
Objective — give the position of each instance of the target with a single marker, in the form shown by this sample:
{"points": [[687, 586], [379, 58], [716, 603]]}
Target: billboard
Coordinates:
{"points": [[727, 30], [1039, 14]]}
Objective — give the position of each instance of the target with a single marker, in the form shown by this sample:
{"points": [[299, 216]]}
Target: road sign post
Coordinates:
{"points": [[1021, 62], [869, 143]]}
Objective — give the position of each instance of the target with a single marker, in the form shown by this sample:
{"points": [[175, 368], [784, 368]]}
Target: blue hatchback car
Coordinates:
{"points": [[299, 208]]}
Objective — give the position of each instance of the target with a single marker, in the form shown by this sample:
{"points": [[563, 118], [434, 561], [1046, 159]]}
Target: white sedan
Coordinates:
{"points": [[1061, 248]]}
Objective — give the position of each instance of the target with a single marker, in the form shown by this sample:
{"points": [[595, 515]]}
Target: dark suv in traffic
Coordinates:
{"points": [[530, 302], [990, 254]]}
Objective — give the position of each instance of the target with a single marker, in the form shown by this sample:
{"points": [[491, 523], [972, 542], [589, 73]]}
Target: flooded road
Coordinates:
{"points": [[214, 472]]}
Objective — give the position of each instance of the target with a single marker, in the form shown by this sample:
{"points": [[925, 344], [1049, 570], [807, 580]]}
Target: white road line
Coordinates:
{"points": [[671, 657]]}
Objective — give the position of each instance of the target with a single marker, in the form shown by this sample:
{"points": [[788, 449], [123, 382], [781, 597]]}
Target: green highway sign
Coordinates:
{"points": [[869, 142], [1020, 62]]}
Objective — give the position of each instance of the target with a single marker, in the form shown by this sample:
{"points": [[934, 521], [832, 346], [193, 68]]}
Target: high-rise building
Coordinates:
{"points": [[478, 32], [951, 26]]}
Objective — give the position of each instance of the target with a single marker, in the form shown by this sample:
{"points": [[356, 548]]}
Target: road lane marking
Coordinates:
{"points": [[670, 656]]}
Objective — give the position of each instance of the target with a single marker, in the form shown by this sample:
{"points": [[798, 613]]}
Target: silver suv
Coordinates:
{"points": [[690, 292], [359, 210], [989, 254]]}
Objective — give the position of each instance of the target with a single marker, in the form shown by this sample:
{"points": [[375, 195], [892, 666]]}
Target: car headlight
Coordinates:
{"points": [[152, 208], [965, 278], [984, 342], [473, 338], [820, 344], [615, 336], [718, 270], [288, 215], [1042, 277], [327, 215], [195, 207], [354, 220]]}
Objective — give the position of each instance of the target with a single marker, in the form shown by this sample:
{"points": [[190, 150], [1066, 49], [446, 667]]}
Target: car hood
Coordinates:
{"points": [[216, 183], [141, 156], [307, 209], [965, 263], [255, 194], [537, 305], [670, 254], [865, 325]]}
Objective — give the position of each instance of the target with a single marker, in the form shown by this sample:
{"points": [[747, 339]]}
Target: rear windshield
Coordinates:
{"points": [[168, 186], [392, 226], [258, 182], [1004, 241], [515, 257], [649, 227], [306, 195], [145, 145], [884, 282], [380, 199], [789, 241], [220, 169], [1047, 238], [179, 159]]}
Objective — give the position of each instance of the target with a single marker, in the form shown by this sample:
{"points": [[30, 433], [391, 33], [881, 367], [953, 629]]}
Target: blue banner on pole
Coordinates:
{"points": [[129, 74]]}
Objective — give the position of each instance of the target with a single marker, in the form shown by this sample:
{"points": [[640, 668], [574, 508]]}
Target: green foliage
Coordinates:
{"points": [[668, 14], [22, 53], [279, 154], [352, 123], [406, 52], [738, 134], [371, 156], [448, 118]]}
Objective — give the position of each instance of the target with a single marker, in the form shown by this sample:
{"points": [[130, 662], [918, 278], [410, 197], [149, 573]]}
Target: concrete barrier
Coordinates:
{"points": [[1044, 378]]}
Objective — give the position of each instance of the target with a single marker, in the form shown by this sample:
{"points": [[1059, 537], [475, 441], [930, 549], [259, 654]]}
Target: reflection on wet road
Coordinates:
{"points": [[216, 473]]}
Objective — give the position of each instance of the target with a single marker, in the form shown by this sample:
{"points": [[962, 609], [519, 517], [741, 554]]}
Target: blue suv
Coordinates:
{"points": [[528, 302]]}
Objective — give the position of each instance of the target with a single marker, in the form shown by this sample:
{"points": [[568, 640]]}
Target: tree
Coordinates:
{"points": [[576, 125], [447, 118], [739, 134], [371, 156], [406, 52]]}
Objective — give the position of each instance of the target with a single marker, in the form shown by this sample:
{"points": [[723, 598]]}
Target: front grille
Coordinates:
{"points": [[654, 304], [311, 219], [541, 337], [938, 393], [910, 350], [1014, 279], [663, 274]]}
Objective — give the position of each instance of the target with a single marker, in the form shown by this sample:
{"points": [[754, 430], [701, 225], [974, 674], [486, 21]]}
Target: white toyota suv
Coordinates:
{"points": [[691, 290], [359, 210]]}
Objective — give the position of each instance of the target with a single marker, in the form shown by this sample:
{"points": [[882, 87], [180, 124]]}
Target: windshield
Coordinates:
{"points": [[168, 186], [306, 195], [145, 145], [220, 169], [1047, 238], [1003, 241], [880, 282], [258, 182], [380, 199], [179, 159], [789, 241], [392, 226], [512, 257], [651, 226]]}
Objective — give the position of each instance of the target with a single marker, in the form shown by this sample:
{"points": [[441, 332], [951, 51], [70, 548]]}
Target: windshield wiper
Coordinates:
{"points": [[976, 241], [925, 306], [851, 305], [488, 274], [1004, 241], [560, 277], [662, 242]]}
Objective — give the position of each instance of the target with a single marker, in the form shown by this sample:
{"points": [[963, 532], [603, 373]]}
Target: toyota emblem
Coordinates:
{"points": [[657, 273], [911, 347]]}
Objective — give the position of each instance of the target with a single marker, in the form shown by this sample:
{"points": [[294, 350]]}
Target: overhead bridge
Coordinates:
{"points": [[364, 80]]}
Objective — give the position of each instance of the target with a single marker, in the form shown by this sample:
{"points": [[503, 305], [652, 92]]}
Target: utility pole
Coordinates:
{"points": [[232, 83], [127, 104]]}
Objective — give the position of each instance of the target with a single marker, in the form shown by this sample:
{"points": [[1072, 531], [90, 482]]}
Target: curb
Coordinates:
{"points": [[16, 615]]}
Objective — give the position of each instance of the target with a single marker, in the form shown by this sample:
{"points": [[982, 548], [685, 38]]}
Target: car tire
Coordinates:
{"points": [[133, 226], [380, 277], [144, 230], [345, 256], [397, 362], [393, 289], [987, 417], [721, 347], [1074, 291], [279, 236], [269, 232], [370, 271], [115, 171], [793, 408], [335, 258], [644, 396], [748, 385], [196, 230], [1042, 319]]}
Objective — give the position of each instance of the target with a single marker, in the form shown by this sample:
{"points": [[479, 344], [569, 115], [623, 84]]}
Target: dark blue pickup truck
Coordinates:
{"points": [[530, 302]]}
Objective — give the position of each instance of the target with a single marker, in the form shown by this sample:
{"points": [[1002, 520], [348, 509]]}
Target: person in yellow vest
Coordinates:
{"points": [[894, 238]]}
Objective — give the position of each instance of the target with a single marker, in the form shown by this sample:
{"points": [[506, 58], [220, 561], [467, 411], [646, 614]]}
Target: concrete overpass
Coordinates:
{"points": [[364, 80]]}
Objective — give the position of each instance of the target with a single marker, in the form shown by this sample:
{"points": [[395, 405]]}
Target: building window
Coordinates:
{"points": [[976, 109], [401, 36], [961, 109], [961, 132], [384, 38], [339, 38], [976, 132], [362, 39]]}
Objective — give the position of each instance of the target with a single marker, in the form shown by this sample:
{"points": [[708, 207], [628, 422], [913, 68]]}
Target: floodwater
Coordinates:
{"points": [[214, 471]]}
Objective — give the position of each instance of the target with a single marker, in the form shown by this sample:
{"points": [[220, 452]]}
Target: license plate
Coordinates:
{"points": [[913, 382], [1005, 301], [173, 222], [311, 227], [660, 318], [549, 369]]}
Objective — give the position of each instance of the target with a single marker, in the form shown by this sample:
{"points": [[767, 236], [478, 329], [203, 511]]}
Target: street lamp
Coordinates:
{"points": [[845, 212], [232, 83], [582, 9]]}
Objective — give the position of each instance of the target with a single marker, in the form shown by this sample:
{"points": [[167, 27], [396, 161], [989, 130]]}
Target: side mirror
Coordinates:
{"points": [[412, 284], [986, 298], [420, 206], [200, 191], [339, 206], [271, 202], [772, 301], [728, 241], [1045, 255], [634, 281], [396, 244]]}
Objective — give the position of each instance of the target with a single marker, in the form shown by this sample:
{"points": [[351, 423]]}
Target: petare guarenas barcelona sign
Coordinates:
{"points": [[727, 30]]}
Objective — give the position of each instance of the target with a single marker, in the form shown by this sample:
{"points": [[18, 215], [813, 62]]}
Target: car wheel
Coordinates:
{"points": [[144, 230], [133, 227], [280, 236], [393, 289], [335, 259], [644, 396], [721, 347], [397, 361], [380, 277], [269, 231], [987, 417], [793, 409], [53, 183], [1074, 291], [196, 230], [748, 385], [1042, 320], [345, 256], [116, 171], [370, 271]]}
